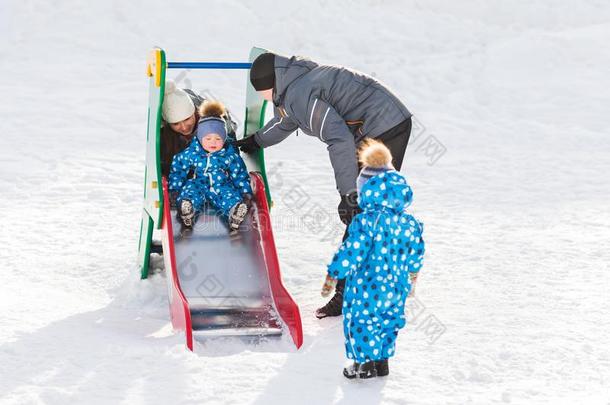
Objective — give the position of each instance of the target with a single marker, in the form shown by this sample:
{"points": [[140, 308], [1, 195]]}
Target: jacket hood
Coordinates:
{"points": [[287, 70], [388, 190]]}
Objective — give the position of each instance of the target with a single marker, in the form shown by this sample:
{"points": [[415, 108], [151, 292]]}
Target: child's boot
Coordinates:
{"points": [[382, 367], [187, 213], [237, 216], [360, 370]]}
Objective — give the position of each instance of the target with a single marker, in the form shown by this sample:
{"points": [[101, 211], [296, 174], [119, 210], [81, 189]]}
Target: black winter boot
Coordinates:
{"points": [[358, 370], [334, 307], [382, 367]]}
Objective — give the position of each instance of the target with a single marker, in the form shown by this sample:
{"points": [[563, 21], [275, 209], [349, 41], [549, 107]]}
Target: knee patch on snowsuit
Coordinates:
{"points": [[195, 194], [223, 199]]}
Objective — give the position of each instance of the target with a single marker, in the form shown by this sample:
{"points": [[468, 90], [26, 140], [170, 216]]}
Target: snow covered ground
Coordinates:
{"points": [[513, 303]]}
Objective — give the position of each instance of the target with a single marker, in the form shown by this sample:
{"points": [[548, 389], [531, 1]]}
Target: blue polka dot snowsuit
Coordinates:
{"points": [[384, 245], [220, 178]]}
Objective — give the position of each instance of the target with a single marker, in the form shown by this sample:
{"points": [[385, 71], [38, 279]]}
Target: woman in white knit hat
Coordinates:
{"points": [[180, 116]]}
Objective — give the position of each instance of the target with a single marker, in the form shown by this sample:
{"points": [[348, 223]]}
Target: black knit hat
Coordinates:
{"points": [[262, 72]]}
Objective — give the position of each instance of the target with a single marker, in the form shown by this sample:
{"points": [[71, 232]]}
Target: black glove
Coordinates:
{"points": [[248, 144], [348, 207]]}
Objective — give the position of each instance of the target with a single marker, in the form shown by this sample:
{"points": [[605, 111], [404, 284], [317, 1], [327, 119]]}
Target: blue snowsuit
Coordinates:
{"points": [[384, 245], [220, 178]]}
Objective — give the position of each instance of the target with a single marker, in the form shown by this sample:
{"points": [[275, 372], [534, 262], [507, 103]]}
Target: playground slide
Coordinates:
{"points": [[221, 286], [217, 286]]}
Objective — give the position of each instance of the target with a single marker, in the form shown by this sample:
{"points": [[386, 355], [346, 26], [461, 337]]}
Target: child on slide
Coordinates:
{"points": [[380, 260], [211, 170]]}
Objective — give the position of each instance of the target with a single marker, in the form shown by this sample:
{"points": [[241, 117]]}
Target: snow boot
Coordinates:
{"points": [[360, 370], [237, 216], [382, 368], [334, 307], [187, 213]]}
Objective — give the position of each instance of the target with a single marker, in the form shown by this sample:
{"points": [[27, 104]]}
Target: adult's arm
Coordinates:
{"points": [[167, 150], [275, 131]]}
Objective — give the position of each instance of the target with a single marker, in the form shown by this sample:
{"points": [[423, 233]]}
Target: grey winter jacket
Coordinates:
{"points": [[339, 106]]}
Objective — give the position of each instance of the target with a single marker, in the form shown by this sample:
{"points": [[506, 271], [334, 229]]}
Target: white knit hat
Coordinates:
{"points": [[177, 105]]}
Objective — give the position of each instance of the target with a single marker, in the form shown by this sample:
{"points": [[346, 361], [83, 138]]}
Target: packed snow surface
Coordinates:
{"points": [[509, 163]]}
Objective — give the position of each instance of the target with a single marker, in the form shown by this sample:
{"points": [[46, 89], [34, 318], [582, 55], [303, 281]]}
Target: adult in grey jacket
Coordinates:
{"points": [[340, 107]]}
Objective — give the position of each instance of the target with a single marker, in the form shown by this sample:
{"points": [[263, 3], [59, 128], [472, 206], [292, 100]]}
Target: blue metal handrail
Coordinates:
{"points": [[208, 65]]}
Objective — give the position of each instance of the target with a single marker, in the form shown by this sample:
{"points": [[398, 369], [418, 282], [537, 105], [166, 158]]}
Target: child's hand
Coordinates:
{"points": [[329, 286]]}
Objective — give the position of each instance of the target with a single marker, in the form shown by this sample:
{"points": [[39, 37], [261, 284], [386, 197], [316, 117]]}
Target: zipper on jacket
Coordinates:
{"points": [[205, 171]]}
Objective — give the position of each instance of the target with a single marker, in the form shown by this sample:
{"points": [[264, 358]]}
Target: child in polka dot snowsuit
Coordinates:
{"points": [[209, 170], [380, 260]]}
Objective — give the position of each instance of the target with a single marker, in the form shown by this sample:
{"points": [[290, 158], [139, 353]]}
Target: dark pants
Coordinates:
{"points": [[396, 139]]}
